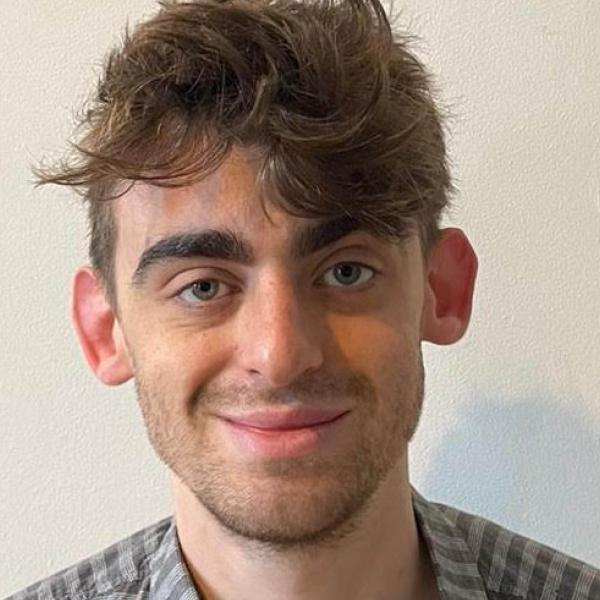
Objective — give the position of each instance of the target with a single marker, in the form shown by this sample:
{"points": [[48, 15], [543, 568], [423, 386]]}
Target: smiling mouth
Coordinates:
{"points": [[293, 434], [286, 420]]}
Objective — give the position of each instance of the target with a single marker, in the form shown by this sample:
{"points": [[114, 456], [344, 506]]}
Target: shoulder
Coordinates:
{"points": [[118, 571], [514, 566]]}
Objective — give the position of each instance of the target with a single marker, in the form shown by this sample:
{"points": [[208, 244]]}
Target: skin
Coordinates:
{"points": [[280, 332]]}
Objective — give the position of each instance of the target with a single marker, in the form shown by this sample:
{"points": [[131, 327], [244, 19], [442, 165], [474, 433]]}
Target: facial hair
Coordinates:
{"points": [[285, 504]]}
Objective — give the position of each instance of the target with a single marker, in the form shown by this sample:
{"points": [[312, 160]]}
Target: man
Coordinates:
{"points": [[241, 159]]}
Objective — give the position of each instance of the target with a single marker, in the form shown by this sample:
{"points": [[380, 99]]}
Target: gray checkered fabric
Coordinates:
{"points": [[473, 558]]}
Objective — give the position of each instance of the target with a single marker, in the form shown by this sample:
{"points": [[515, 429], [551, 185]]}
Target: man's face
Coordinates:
{"points": [[236, 360]]}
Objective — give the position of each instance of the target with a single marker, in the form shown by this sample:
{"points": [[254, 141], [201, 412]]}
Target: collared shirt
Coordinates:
{"points": [[473, 558]]}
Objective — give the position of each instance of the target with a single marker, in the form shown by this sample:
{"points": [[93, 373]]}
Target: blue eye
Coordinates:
{"points": [[348, 273], [201, 291]]}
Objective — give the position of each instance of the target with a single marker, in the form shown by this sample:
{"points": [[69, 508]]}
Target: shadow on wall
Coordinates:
{"points": [[532, 465]]}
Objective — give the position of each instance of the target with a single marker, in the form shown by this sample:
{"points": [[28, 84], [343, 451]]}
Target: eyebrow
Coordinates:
{"points": [[228, 245]]}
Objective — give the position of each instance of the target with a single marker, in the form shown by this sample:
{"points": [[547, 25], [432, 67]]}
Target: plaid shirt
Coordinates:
{"points": [[472, 557]]}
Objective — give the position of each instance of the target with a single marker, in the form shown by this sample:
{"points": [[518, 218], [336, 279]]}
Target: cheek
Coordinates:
{"points": [[378, 347], [389, 358], [183, 360]]}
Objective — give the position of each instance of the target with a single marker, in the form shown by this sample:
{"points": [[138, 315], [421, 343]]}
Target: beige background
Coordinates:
{"points": [[511, 428]]}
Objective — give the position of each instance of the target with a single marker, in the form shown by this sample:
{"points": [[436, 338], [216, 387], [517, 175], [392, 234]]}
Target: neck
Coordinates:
{"points": [[381, 558]]}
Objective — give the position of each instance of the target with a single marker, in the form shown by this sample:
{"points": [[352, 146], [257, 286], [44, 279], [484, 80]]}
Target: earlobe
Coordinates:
{"points": [[99, 330], [449, 288]]}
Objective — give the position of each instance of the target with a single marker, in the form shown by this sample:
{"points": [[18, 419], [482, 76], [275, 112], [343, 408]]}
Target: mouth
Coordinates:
{"points": [[284, 434], [289, 420]]}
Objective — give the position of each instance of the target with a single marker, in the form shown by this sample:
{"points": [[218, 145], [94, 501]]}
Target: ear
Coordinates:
{"points": [[99, 330], [450, 282]]}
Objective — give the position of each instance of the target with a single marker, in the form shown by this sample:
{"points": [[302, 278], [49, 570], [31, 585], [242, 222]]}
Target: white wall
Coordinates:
{"points": [[511, 427]]}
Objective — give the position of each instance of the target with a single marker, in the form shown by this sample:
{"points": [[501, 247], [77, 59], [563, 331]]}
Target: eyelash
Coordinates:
{"points": [[201, 303]]}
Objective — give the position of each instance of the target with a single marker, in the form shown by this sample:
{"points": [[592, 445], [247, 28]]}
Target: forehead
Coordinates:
{"points": [[230, 191], [229, 198]]}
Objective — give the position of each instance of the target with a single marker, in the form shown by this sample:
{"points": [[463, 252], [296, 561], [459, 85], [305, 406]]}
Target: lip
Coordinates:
{"points": [[285, 420], [292, 434]]}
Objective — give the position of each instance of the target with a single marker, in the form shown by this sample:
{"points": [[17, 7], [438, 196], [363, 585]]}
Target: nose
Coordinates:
{"points": [[279, 333]]}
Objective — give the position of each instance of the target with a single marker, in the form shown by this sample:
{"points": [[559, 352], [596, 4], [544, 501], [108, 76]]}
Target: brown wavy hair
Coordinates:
{"points": [[338, 108]]}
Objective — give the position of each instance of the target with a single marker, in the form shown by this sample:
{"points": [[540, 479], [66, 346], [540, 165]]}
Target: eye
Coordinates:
{"points": [[201, 291], [349, 273]]}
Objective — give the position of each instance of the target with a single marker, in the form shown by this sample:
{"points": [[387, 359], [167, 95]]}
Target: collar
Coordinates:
{"points": [[454, 564], [169, 575]]}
